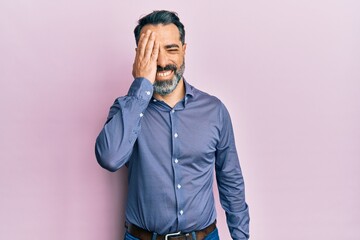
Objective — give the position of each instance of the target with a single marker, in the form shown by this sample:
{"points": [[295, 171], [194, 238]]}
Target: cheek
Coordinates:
{"points": [[179, 60], [175, 60]]}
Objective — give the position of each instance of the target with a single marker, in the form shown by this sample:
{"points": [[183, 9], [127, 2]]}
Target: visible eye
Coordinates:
{"points": [[173, 50]]}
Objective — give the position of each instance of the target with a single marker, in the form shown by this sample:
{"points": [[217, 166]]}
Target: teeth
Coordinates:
{"points": [[164, 74]]}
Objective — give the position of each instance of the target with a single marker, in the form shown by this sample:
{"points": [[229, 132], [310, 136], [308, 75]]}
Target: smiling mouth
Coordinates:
{"points": [[162, 74]]}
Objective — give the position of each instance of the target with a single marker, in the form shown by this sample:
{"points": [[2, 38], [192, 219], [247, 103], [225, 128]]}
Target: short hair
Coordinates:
{"points": [[160, 17]]}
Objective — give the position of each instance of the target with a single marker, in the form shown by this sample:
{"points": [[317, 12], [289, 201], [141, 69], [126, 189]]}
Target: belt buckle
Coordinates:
{"points": [[172, 235]]}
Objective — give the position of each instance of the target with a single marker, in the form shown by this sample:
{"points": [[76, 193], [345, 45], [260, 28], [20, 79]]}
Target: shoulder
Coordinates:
{"points": [[207, 101], [206, 98]]}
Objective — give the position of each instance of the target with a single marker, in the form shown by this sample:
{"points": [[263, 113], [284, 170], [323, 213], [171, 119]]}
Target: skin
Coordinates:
{"points": [[160, 45]]}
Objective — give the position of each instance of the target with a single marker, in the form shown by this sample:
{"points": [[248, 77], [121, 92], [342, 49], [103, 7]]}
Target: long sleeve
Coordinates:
{"points": [[230, 181], [116, 140]]}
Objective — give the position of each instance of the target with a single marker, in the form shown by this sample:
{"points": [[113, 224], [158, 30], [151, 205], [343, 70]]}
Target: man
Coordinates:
{"points": [[172, 136]]}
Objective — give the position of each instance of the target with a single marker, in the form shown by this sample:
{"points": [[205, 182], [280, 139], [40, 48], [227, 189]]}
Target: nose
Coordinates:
{"points": [[162, 60]]}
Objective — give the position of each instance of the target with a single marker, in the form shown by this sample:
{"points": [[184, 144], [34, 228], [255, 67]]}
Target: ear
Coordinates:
{"points": [[184, 48]]}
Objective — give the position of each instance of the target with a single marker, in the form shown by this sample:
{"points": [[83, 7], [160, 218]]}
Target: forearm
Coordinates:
{"points": [[231, 182], [232, 197], [115, 142]]}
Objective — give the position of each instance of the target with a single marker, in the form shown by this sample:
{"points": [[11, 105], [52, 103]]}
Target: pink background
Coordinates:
{"points": [[288, 71]]}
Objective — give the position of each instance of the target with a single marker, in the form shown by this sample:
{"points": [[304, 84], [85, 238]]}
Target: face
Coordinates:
{"points": [[170, 63]]}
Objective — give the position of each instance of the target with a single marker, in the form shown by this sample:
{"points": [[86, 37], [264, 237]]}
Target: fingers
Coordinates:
{"points": [[146, 56], [155, 52], [142, 44], [145, 45], [149, 46]]}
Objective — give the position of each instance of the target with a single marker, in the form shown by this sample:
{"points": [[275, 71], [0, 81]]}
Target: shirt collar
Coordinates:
{"points": [[189, 90]]}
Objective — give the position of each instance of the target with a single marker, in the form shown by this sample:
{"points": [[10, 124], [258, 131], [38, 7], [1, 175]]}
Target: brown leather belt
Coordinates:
{"points": [[143, 234]]}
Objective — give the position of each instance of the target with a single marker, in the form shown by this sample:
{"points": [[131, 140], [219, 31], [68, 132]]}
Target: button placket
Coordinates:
{"points": [[176, 169]]}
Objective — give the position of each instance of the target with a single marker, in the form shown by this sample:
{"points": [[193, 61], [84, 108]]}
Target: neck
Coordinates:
{"points": [[175, 96]]}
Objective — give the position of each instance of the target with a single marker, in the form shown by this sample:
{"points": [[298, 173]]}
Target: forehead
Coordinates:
{"points": [[168, 33]]}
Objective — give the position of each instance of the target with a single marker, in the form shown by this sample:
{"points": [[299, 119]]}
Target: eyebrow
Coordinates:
{"points": [[172, 46]]}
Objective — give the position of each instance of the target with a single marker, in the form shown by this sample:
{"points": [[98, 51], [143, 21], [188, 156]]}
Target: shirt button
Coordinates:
{"points": [[178, 186], [181, 212], [176, 135], [176, 160], [154, 100], [172, 111], [147, 92], [141, 114]]}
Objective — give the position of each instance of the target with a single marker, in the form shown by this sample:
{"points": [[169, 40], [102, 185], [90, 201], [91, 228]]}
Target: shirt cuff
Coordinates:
{"points": [[141, 88]]}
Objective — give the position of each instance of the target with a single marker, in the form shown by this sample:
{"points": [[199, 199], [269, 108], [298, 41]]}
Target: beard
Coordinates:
{"points": [[165, 87]]}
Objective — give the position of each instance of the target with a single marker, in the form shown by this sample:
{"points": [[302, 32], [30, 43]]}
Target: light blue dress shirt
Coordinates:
{"points": [[171, 154]]}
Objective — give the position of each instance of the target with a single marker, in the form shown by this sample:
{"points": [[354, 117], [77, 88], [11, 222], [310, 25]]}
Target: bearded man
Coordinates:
{"points": [[172, 137]]}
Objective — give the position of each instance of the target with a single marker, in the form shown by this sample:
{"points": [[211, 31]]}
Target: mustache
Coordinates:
{"points": [[168, 67]]}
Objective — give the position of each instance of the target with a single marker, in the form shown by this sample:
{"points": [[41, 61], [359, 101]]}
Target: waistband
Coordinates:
{"points": [[143, 234]]}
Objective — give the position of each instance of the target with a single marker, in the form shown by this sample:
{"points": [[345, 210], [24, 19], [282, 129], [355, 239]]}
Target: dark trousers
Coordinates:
{"points": [[214, 235]]}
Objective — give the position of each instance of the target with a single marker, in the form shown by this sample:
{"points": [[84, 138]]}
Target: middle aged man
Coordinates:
{"points": [[172, 136]]}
